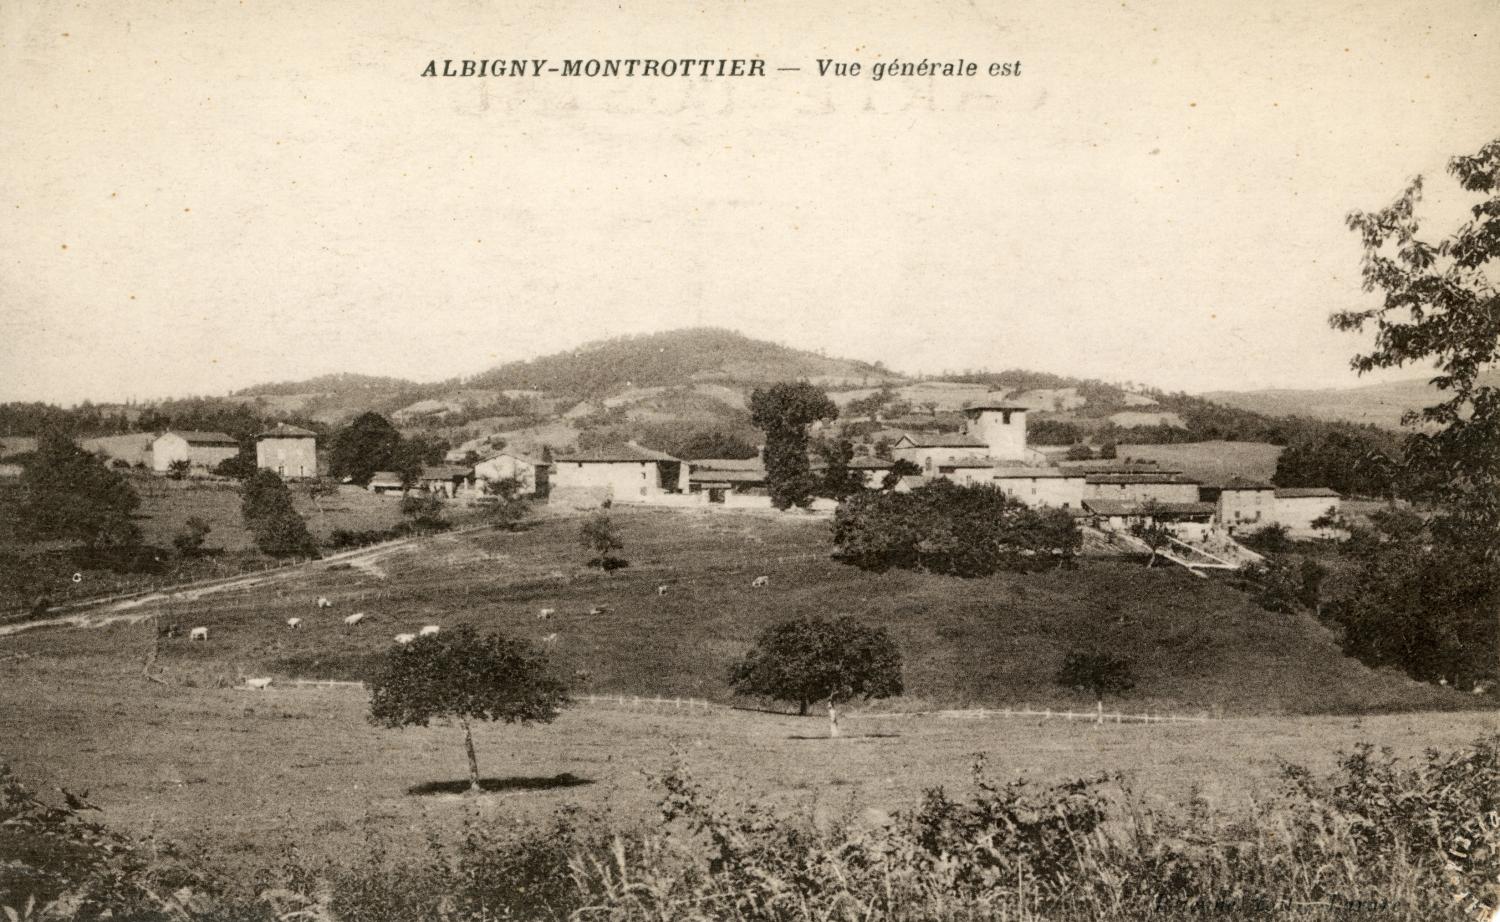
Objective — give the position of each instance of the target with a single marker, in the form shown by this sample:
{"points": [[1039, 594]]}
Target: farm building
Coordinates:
{"points": [[1041, 486], [871, 469], [929, 450], [446, 479], [1190, 520], [530, 473], [1002, 430], [203, 450], [730, 482], [1160, 486], [290, 451], [1242, 503], [1297, 507], [623, 474], [386, 482], [968, 469]]}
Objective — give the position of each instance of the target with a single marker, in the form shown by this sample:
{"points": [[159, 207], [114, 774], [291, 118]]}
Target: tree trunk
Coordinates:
{"points": [[802, 708], [473, 760], [833, 719]]}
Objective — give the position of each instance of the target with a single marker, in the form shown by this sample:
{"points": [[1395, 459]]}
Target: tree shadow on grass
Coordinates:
{"points": [[500, 785], [848, 736]]}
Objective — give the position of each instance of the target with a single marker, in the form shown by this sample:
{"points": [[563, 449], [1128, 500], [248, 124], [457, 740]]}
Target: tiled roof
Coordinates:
{"points": [[615, 453], [1024, 473], [1007, 407], [967, 461], [1141, 477], [1130, 507], [1242, 483], [1306, 492], [943, 440], [198, 437], [385, 479], [283, 431]]}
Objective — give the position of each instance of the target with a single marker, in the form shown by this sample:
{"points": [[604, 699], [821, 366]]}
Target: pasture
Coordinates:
{"points": [[1211, 461], [242, 774]]}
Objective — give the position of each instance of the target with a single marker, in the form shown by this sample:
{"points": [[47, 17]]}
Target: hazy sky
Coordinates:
{"points": [[198, 196]]}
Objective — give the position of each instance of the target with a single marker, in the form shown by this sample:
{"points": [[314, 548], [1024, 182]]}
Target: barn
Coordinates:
{"points": [[625, 473], [202, 450]]}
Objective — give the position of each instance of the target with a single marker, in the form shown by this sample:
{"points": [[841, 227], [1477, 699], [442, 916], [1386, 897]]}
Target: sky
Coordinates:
{"points": [[199, 196]]}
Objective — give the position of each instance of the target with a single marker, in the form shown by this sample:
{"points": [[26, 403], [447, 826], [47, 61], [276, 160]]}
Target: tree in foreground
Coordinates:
{"points": [[784, 412], [810, 659], [1155, 534], [459, 675], [599, 534], [266, 507], [68, 493], [1097, 673], [958, 530]]}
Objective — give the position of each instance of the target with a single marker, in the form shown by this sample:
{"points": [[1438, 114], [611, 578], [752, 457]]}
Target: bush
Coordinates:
{"points": [[947, 528]]}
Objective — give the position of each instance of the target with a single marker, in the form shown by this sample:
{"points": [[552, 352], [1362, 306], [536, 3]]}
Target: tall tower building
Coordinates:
{"points": [[1001, 427]]}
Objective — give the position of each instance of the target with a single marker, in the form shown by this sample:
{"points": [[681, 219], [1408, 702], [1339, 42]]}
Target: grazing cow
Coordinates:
{"points": [[258, 683], [198, 633], [760, 582], [355, 618], [545, 613], [550, 638], [600, 610], [582, 675], [294, 623], [429, 629], [405, 638], [661, 590], [324, 603]]}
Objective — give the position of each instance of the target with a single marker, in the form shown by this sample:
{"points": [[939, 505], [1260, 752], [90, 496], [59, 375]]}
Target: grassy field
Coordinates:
{"points": [[1212, 461], [242, 775]]}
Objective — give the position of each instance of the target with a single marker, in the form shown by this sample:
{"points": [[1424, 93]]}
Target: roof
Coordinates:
{"points": [[615, 454], [283, 431], [967, 461], [943, 440], [1006, 407], [199, 437], [509, 454], [867, 463], [729, 464], [1242, 483], [1109, 466], [727, 477], [1024, 473], [445, 471], [1140, 477], [385, 478], [1131, 507], [1307, 493]]}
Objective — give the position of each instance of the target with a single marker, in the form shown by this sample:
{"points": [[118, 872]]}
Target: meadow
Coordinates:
{"points": [[247, 778], [1214, 462]]}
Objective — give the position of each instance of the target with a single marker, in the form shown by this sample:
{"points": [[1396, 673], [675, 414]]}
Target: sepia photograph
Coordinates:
{"points": [[749, 460]]}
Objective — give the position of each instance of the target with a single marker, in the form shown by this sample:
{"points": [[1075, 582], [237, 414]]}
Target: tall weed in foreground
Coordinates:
{"points": [[1377, 839]]}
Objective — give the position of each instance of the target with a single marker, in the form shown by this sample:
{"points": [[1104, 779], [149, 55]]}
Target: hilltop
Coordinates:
{"points": [[1374, 404]]}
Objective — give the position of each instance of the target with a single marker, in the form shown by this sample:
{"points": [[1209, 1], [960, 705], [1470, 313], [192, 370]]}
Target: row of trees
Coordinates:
{"points": [[370, 444]]}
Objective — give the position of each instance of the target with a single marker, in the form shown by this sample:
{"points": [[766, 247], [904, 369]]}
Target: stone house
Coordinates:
{"points": [[290, 451]]}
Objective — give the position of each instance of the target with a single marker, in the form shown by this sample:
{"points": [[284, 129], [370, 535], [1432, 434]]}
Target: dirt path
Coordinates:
{"points": [[141, 608]]}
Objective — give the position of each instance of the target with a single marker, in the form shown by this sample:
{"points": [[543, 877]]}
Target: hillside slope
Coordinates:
{"points": [[1197, 645], [1376, 404]]}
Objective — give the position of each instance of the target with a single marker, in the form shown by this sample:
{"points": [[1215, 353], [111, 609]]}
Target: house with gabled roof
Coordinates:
{"points": [[202, 450], [290, 451], [626, 473]]}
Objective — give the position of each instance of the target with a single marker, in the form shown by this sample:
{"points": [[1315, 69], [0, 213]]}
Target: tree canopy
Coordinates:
{"points": [[69, 493], [266, 507], [461, 675], [368, 444], [1099, 673], [812, 659], [784, 412], [960, 530]]}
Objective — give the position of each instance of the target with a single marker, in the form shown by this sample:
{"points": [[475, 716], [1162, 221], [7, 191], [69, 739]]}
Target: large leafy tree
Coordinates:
{"points": [[458, 674], [812, 659], [266, 507], [1439, 307], [784, 412], [69, 493], [368, 444]]}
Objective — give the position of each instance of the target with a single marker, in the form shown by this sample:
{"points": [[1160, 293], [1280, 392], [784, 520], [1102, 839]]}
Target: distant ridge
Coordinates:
{"points": [[1377, 404]]}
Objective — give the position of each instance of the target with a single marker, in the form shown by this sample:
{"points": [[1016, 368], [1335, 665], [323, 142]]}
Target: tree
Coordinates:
{"points": [[899, 468], [784, 412], [460, 675], [424, 509], [1439, 307], [599, 534], [839, 481], [179, 468], [1156, 534], [189, 541], [68, 493], [368, 444], [267, 510], [1079, 453], [812, 659], [958, 530], [1109, 451], [1098, 673]]}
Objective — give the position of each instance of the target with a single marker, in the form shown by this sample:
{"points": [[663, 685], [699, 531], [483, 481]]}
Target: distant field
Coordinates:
{"points": [[1212, 461]]}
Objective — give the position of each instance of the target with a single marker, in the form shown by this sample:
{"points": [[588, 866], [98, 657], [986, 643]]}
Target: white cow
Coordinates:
{"points": [[429, 629], [324, 603], [294, 623], [355, 618], [600, 610], [760, 582], [198, 633], [258, 683], [550, 638], [405, 638], [545, 613], [661, 590]]}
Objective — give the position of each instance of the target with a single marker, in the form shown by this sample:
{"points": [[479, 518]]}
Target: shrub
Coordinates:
{"points": [[1098, 673], [948, 528]]}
